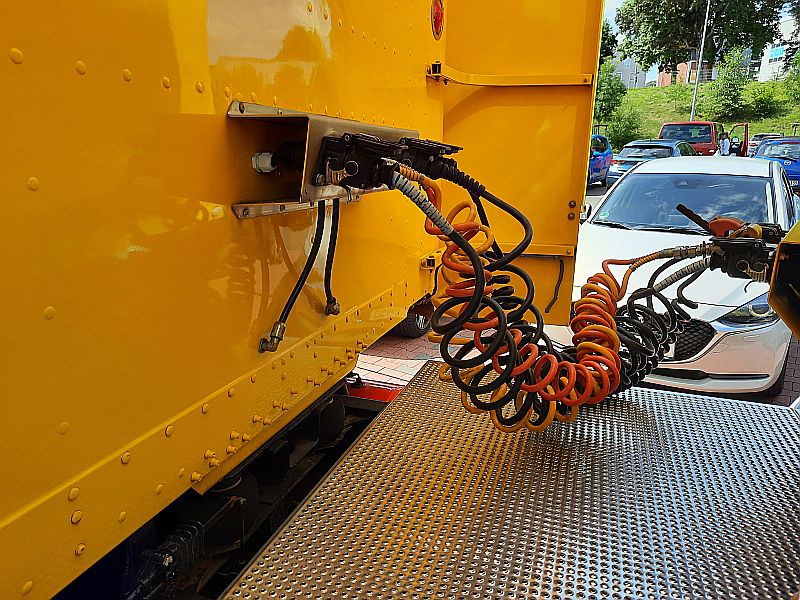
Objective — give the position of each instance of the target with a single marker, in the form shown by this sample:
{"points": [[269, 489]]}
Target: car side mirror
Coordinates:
{"points": [[587, 212]]}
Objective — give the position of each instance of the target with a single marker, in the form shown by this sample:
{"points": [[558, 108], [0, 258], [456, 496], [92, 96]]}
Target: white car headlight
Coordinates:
{"points": [[755, 312]]}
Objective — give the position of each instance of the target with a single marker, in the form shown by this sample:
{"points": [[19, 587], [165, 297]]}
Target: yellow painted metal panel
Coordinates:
{"points": [[134, 299], [784, 288], [525, 118], [133, 296]]}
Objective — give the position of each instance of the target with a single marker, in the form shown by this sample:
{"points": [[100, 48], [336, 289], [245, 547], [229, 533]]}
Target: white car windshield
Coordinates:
{"points": [[648, 200]]}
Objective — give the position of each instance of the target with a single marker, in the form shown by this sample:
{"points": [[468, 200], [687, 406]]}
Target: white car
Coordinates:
{"points": [[735, 342]]}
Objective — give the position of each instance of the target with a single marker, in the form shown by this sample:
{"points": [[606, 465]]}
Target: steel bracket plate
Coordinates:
{"points": [[299, 191], [651, 494]]}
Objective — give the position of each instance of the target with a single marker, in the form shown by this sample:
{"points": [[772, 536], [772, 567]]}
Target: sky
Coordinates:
{"points": [[611, 7], [610, 10]]}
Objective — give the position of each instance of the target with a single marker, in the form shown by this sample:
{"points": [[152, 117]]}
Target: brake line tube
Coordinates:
{"points": [[332, 306], [276, 335]]}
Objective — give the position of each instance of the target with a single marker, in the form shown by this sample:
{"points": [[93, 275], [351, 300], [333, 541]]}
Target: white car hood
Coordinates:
{"points": [[716, 293]]}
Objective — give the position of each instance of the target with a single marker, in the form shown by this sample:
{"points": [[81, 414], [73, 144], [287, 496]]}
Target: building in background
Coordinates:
{"points": [[686, 72], [629, 71], [772, 62], [768, 67]]}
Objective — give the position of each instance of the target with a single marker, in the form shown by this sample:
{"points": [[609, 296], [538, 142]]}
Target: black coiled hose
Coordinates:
{"points": [[496, 360]]}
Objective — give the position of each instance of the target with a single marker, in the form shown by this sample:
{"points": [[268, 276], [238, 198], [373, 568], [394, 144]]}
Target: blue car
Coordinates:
{"points": [[599, 160], [643, 150], [785, 151]]}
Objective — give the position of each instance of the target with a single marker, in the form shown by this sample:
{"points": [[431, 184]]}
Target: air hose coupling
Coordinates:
{"points": [[703, 249], [333, 307], [275, 338], [386, 170]]}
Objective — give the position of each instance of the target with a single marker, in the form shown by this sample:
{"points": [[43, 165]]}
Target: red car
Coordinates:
{"points": [[704, 136]]}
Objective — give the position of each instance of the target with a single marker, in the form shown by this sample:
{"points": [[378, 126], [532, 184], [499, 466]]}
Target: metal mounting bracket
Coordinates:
{"points": [[440, 72], [301, 191]]}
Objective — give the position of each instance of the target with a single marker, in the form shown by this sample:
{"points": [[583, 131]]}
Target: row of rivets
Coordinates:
{"points": [[17, 57], [210, 455]]}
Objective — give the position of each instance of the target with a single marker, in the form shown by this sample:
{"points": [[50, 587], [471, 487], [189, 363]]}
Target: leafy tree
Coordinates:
{"points": [[624, 127], [666, 32], [793, 43], [763, 101], [608, 42], [791, 84], [610, 92], [725, 95]]}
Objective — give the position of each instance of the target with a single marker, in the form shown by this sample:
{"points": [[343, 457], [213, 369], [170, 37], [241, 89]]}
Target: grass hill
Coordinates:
{"points": [[659, 105]]}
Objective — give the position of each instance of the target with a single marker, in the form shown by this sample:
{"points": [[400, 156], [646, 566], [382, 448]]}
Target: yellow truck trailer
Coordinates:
{"points": [[165, 180]]}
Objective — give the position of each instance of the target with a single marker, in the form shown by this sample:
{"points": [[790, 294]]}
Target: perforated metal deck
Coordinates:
{"points": [[651, 495]]}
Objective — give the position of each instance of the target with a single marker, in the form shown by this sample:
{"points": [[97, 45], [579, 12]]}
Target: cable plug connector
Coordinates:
{"points": [[333, 307], [262, 162], [275, 338], [386, 170], [703, 249]]}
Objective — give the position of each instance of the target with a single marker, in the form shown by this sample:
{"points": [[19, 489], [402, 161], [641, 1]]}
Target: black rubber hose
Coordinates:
{"points": [[414, 194], [652, 281], [330, 298], [476, 299], [448, 169], [312, 257], [683, 299], [498, 253], [526, 225]]}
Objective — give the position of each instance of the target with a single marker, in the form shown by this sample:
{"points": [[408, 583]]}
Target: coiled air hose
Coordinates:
{"points": [[504, 363]]}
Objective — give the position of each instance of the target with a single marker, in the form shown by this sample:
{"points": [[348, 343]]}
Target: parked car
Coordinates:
{"points": [[643, 150], [785, 151], [735, 343], [599, 160], [756, 140], [704, 136]]}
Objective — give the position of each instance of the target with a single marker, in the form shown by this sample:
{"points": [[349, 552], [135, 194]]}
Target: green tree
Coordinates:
{"points": [[610, 92], [791, 84], [762, 101], [608, 42], [725, 95], [666, 32], [624, 127], [680, 95]]}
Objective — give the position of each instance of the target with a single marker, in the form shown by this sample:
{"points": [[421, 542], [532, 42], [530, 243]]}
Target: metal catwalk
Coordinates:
{"points": [[652, 495]]}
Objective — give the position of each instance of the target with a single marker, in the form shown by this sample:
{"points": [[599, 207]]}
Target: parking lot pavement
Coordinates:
{"points": [[396, 360], [593, 195]]}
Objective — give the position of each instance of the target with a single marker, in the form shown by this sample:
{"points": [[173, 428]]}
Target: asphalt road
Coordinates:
{"points": [[593, 194]]}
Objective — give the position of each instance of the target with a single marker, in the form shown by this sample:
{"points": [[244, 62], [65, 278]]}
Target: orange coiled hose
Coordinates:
{"points": [[562, 385]]}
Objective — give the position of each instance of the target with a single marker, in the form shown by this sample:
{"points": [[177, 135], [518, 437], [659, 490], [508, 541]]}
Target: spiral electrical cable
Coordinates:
{"points": [[505, 365]]}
